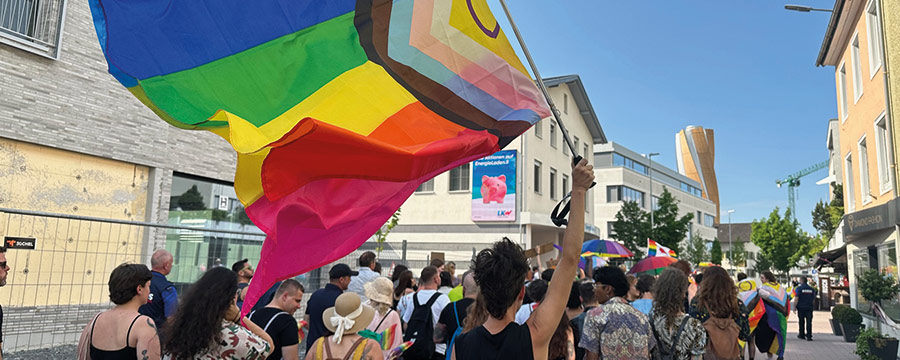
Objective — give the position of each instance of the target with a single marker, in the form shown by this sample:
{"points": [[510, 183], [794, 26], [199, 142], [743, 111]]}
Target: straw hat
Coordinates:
{"points": [[380, 290], [348, 316]]}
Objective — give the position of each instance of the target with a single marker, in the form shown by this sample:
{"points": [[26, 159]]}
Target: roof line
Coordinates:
{"points": [[829, 31], [583, 102]]}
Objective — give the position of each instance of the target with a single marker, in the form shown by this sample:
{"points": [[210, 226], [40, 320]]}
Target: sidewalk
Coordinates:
{"points": [[824, 346]]}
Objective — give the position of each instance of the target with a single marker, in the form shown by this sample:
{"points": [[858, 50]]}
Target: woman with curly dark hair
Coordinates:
{"points": [[562, 344], [676, 333], [207, 323], [716, 306]]}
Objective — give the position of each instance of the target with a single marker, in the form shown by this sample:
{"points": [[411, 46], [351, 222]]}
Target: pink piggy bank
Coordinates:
{"points": [[493, 188]]}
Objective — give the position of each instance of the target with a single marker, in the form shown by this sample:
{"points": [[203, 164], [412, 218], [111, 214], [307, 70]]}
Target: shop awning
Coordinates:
{"points": [[827, 258]]}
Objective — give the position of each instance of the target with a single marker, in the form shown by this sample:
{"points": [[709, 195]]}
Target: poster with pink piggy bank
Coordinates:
{"points": [[494, 187]]}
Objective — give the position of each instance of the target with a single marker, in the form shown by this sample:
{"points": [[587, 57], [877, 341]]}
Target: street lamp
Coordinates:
{"points": [[650, 173], [803, 8], [730, 246]]}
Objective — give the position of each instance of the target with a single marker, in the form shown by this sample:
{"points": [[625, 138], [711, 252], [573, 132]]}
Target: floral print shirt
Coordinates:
{"points": [[616, 330], [237, 343], [692, 342], [742, 320]]}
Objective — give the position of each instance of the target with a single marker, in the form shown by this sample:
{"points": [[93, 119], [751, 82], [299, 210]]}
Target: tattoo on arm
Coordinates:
{"points": [[151, 323], [570, 346], [144, 355]]}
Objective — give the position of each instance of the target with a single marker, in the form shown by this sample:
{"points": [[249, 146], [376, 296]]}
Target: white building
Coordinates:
{"points": [[622, 175], [438, 217]]}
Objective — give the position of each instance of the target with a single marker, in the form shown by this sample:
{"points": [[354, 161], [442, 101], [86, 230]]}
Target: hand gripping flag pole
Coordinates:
{"points": [[557, 216]]}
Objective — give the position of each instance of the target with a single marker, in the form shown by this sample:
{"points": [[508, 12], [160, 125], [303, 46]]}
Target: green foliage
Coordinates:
{"points": [[241, 216], [382, 233], [838, 311], [827, 217], [632, 228], [849, 316], [780, 239], [876, 287], [862, 343], [219, 215], [715, 254], [191, 200], [668, 228], [695, 250], [738, 254], [762, 263]]}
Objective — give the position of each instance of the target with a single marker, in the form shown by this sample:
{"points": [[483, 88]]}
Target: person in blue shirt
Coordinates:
{"points": [[804, 299], [163, 298], [324, 298]]}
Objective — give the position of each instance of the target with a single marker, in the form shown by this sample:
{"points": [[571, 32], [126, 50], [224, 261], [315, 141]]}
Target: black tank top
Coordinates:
{"points": [[514, 342], [126, 353]]}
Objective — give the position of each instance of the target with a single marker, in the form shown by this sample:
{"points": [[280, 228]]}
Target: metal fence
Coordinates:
{"points": [[35, 25]]}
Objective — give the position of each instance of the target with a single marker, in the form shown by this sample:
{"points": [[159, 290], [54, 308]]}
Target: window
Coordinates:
{"points": [[655, 203], [612, 193], [576, 145], [537, 129], [699, 217], [881, 154], [459, 178], [873, 31], [848, 183], [623, 193], [566, 104], [842, 90], [887, 264], [426, 187], [860, 265], [857, 68], [709, 220], [553, 183], [619, 160], [565, 185], [587, 153], [691, 190], [537, 176], [32, 25], [553, 135], [863, 171], [610, 230]]}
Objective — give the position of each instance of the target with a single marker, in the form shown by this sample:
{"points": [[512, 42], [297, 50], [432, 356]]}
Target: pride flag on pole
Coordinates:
{"points": [[655, 249]]}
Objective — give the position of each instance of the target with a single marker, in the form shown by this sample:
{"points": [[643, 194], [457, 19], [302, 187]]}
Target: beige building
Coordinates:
{"points": [[695, 151], [438, 217]]}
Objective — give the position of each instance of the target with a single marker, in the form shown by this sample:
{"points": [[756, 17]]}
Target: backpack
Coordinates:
{"points": [[723, 339], [455, 333], [421, 328], [663, 353]]}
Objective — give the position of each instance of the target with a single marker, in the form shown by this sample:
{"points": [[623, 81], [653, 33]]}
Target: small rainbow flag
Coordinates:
{"points": [[655, 249]]}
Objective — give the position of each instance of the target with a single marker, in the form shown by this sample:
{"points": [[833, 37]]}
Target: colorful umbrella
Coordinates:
{"points": [[652, 265], [604, 248]]}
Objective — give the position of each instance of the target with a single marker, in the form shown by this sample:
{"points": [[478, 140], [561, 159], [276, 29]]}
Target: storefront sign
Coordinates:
{"points": [[23, 243], [494, 187], [875, 218]]}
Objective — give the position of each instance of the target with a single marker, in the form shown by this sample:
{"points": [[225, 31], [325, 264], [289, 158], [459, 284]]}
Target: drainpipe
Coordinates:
{"points": [[887, 98]]}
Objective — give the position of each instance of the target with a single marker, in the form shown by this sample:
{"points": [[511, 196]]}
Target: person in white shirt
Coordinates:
{"points": [[366, 274], [428, 285], [536, 291]]}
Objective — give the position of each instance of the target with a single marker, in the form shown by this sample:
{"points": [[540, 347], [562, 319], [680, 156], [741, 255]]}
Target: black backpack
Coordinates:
{"points": [[662, 351], [421, 328]]}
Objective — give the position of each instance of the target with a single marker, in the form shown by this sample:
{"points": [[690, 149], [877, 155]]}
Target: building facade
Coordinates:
{"points": [[695, 151], [625, 175], [439, 215], [730, 236], [854, 46]]}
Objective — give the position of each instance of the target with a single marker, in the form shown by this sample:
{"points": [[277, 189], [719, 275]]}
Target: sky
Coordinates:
{"points": [[745, 68]]}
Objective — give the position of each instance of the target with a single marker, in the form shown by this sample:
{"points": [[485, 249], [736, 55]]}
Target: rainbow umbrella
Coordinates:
{"points": [[604, 248], [652, 265]]}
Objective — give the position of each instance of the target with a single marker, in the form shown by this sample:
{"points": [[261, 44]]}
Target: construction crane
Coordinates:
{"points": [[793, 181]]}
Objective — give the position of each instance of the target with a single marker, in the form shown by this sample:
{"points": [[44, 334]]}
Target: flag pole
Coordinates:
{"points": [[540, 81]]}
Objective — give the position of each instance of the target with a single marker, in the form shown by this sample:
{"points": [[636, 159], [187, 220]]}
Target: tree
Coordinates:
{"points": [[780, 239], [715, 254], [762, 264], [695, 250], [738, 254], [191, 200], [827, 217], [382, 233], [668, 228], [631, 228]]}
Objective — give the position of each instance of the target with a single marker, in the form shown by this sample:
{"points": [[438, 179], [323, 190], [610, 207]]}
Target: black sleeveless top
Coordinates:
{"points": [[126, 353], [514, 342]]}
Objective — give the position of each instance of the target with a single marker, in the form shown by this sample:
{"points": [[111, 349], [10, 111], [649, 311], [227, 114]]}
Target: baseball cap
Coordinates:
{"points": [[341, 270]]}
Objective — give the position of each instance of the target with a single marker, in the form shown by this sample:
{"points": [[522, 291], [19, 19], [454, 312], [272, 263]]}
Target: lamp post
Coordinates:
{"points": [[650, 173], [804, 8], [730, 245]]}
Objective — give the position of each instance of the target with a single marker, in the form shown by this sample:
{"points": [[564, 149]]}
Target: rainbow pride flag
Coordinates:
{"points": [[338, 110], [655, 249]]}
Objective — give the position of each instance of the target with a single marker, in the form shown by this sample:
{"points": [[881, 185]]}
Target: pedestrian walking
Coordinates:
{"points": [[405, 285], [536, 290], [644, 287], [806, 296], [345, 319], [633, 292], [562, 343], [121, 332], [386, 324], [676, 334], [277, 320], [772, 329], [163, 298], [573, 305], [446, 283], [615, 329], [450, 323], [500, 275], [420, 312], [366, 273], [723, 315], [323, 299], [451, 268], [588, 297], [208, 323], [244, 272]]}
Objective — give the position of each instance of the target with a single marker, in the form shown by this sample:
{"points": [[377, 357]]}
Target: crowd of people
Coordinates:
{"points": [[502, 308]]}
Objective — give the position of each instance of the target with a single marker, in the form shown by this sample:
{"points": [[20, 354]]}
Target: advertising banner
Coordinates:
{"points": [[494, 187]]}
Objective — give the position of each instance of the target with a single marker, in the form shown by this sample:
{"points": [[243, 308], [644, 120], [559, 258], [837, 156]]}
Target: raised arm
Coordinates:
{"points": [[546, 317]]}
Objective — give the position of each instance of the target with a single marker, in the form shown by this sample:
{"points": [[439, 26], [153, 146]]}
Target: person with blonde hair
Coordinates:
{"points": [[386, 323]]}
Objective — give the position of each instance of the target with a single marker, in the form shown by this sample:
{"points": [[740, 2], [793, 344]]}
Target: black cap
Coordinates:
{"points": [[341, 270]]}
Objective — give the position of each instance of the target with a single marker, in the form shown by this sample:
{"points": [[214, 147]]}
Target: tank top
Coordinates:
{"points": [[514, 342], [323, 350], [125, 353]]}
